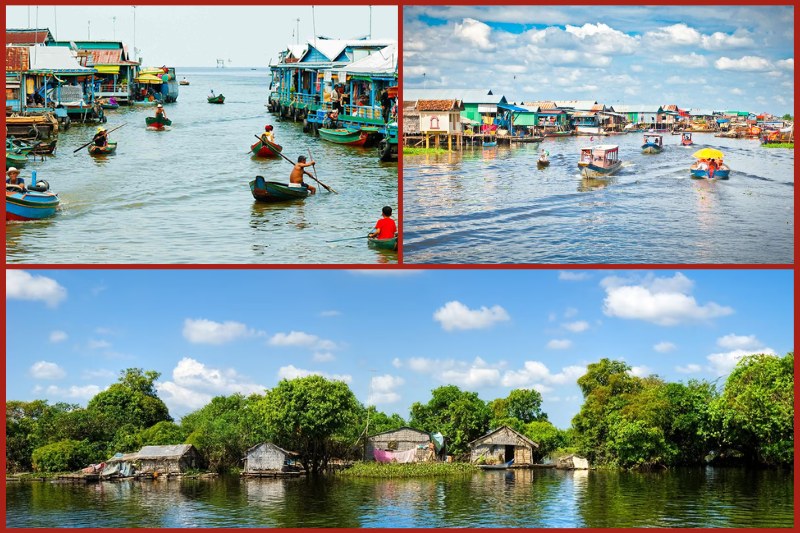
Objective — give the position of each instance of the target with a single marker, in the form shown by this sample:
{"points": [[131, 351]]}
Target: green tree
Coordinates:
{"points": [[163, 433], [63, 456], [520, 407], [546, 435], [787, 117], [305, 415], [132, 400], [459, 415]]}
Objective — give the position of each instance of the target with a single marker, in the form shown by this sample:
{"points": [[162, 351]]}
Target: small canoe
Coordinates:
{"points": [[348, 136], [700, 173], [219, 99], [542, 164], [502, 466], [110, 106], [184, 82], [15, 160], [45, 147], [272, 191], [264, 148], [489, 144], [110, 148], [383, 244], [157, 123], [30, 205]]}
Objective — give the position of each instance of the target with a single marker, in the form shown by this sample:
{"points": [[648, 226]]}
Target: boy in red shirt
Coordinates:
{"points": [[385, 228]]}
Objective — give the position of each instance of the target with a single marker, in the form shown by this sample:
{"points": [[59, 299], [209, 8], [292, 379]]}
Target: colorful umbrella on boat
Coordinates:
{"points": [[149, 78], [708, 153]]}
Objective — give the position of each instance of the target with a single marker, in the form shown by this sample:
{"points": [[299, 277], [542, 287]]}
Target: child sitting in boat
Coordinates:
{"points": [[14, 179], [268, 135], [385, 228], [296, 177], [101, 137]]}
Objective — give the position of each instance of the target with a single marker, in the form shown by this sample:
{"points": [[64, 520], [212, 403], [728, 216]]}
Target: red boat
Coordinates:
{"points": [[264, 148]]}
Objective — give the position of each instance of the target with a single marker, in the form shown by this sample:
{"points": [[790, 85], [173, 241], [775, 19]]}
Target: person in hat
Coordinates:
{"points": [[160, 112], [268, 136], [12, 178], [101, 137], [296, 177]]}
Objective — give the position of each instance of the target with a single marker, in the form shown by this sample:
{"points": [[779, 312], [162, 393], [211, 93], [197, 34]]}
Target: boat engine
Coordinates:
{"points": [[41, 186]]}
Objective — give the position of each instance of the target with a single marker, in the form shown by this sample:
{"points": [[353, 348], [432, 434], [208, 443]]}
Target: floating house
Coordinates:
{"points": [[518, 119], [404, 440], [504, 444], [649, 116], [171, 459], [268, 459], [480, 105], [440, 117], [116, 71]]}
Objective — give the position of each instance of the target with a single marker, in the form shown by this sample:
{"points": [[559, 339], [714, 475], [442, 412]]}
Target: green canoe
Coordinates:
{"points": [[383, 244], [15, 160], [272, 191], [351, 137], [157, 122], [110, 148], [219, 99]]}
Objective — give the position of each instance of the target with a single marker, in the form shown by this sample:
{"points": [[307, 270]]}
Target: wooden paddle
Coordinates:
{"points": [[304, 172], [350, 239], [90, 142]]}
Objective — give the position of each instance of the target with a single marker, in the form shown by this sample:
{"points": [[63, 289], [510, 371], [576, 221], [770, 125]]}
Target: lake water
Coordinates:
{"points": [[182, 196], [493, 205], [702, 497]]}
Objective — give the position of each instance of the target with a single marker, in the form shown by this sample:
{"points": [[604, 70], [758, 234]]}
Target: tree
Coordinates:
{"points": [[132, 400], [546, 435], [304, 414], [520, 407], [459, 415], [163, 433], [63, 456], [787, 117]]}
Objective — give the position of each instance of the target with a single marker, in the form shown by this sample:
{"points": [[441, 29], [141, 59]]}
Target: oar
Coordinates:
{"points": [[350, 239], [314, 166], [309, 175], [90, 142]]}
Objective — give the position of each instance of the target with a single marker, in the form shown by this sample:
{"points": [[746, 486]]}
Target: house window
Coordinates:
{"points": [[435, 123]]}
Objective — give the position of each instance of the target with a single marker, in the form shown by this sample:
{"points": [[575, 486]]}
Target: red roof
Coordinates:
{"points": [[17, 58], [106, 57], [27, 37]]}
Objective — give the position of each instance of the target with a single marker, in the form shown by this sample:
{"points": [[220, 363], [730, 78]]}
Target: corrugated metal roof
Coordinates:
{"points": [[16, 58], [28, 36], [468, 96], [584, 114], [55, 59], [383, 61], [646, 108], [331, 48], [542, 105], [106, 57], [577, 105], [172, 450]]}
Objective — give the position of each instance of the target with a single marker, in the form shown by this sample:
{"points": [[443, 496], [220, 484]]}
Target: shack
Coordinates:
{"points": [[171, 459], [503, 444], [267, 459], [402, 441]]}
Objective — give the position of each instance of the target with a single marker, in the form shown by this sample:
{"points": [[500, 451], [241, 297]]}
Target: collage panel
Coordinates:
{"points": [[217, 142], [598, 134], [512, 398]]}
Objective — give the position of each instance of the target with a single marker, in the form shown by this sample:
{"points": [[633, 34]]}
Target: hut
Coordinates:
{"points": [[503, 444], [401, 440], [267, 459], [440, 117], [171, 459]]}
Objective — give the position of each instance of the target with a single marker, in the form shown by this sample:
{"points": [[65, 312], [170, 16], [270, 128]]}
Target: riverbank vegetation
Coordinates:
{"points": [[625, 421], [410, 470], [408, 150], [778, 145]]}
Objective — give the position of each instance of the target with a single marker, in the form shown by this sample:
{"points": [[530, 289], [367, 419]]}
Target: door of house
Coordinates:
{"points": [[509, 455]]}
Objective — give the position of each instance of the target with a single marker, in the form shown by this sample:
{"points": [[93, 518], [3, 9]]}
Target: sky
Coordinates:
{"points": [[393, 336], [196, 36], [707, 57]]}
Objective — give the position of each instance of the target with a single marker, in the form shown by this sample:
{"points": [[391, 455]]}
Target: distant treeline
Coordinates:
{"points": [[625, 421]]}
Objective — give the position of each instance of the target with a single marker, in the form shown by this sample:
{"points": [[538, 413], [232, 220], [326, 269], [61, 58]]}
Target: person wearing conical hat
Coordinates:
{"points": [[101, 137]]}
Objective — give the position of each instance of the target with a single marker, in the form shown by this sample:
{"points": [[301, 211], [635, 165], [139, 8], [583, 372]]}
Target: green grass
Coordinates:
{"points": [[412, 470], [423, 151], [775, 145]]}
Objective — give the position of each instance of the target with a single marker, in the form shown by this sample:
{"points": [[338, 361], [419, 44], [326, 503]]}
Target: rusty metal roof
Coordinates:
{"points": [[438, 105], [106, 57], [26, 36], [17, 58]]}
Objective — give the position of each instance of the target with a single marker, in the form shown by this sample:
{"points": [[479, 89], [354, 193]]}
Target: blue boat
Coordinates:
{"points": [[489, 144], [653, 143], [700, 172], [34, 203], [599, 161]]}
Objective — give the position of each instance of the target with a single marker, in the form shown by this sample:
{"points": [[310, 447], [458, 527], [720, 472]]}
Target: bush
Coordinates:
{"points": [[63, 456]]}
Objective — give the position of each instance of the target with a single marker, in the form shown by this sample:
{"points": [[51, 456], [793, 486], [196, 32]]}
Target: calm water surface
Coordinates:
{"points": [[523, 498], [493, 205], [182, 196]]}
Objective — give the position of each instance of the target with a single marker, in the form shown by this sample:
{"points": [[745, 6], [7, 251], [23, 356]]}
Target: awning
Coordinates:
{"points": [[149, 78], [107, 69]]}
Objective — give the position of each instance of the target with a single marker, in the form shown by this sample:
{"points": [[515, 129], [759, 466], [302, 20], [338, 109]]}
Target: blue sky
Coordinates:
{"points": [[709, 57], [393, 336]]}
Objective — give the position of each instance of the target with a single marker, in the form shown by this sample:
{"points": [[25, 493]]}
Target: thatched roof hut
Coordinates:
{"points": [[268, 458]]}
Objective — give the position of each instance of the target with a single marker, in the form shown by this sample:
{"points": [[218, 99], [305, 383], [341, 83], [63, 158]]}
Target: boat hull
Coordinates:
{"points": [[157, 123], [345, 136], [383, 244], [272, 191], [589, 170], [15, 160], [216, 99], [110, 148], [651, 149], [490, 144], [266, 149], [702, 174], [30, 205], [542, 164]]}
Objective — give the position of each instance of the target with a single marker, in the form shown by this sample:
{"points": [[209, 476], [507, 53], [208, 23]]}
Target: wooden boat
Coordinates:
{"points": [[184, 82], [218, 99], [18, 147], [686, 139], [272, 191], [109, 105], [32, 127], [700, 171], [15, 160], [382, 244], [35, 203], [599, 161], [264, 148], [653, 143], [157, 123], [489, 144], [557, 134], [502, 466], [534, 139], [542, 163], [348, 136], [110, 148]]}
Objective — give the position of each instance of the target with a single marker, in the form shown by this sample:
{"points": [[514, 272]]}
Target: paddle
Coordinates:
{"points": [[314, 166], [304, 172], [350, 239], [90, 142]]}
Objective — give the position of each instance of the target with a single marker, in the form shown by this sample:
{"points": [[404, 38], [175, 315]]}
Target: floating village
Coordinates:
{"points": [[343, 91], [459, 119]]}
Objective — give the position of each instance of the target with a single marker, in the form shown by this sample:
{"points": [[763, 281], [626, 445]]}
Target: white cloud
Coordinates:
{"points": [[787, 64], [739, 342], [455, 315], [577, 327], [194, 384], [689, 369], [559, 344], [475, 374], [323, 357], [20, 285], [743, 64], [640, 371], [677, 34], [662, 301], [397, 363], [473, 377], [570, 312], [58, 336], [202, 331], [474, 32], [383, 389], [98, 344], [664, 347], [692, 60], [604, 39], [719, 41], [330, 313], [292, 372], [571, 275], [536, 373], [47, 370], [738, 346], [302, 339], [73, 392]]}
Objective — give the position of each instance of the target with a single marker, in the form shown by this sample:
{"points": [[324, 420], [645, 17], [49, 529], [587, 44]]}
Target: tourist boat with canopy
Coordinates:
{"points": [[599, 161], [709, 165], [653, 143]]}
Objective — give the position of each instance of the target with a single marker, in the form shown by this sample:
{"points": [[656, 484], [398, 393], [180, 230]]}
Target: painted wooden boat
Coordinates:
{"points": [[272, 191], [686, 139], [30, 204], [382, 244], [502, 466], [219, 99], [45, 147], [348, 136], [157, 123], [15, 160], [542, 164], [653, 144], [264, 148], [110, 148], [18, 147], [701, 172], [184, 82], [110, 106], [489, 144], [599, 161]]}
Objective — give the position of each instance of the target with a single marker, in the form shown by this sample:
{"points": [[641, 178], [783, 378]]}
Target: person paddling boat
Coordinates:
{"points": [[296, 177]]}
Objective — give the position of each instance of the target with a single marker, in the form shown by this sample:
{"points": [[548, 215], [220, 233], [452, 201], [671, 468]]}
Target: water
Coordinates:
{"points": [[182, 196], [521, 498], [495, 206]]}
